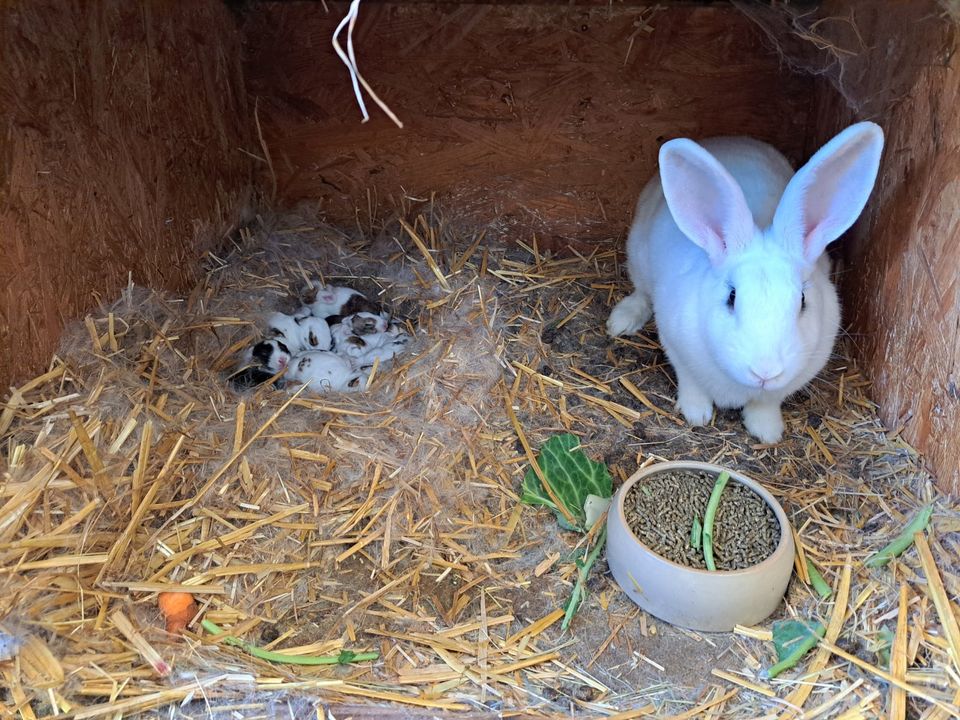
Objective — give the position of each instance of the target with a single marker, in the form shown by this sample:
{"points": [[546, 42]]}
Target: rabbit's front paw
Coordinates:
{"points": [[696, 408], [764, 421], [629, 315]]}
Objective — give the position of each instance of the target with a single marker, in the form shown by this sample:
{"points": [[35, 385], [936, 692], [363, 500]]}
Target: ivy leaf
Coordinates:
{"points": [[572, 477]]}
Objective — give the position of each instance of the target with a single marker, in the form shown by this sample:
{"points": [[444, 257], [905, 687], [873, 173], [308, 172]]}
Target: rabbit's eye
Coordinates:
{"points": [[732, 298], [803, 302]]}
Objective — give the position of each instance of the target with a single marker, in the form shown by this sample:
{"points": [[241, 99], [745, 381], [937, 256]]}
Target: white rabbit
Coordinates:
{"points": [[727, 249], [323, 372]]}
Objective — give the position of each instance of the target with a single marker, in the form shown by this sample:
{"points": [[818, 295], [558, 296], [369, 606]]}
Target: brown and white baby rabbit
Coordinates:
{"points": [[328, 301], [358, 333], [387, 346]]}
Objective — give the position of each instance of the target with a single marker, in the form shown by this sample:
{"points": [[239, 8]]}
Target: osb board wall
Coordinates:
{"points": [[544, 118], [902, 285], [121, 134]]}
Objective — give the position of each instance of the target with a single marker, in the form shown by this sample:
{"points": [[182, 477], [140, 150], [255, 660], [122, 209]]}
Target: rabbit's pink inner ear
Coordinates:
{"points": [[827, 195], [705, 201]]}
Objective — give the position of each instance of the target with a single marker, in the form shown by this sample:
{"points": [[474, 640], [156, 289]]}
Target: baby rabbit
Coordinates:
{"points": [[324, 371], [391, 343], [324, 301], [285, 328], [358, 333], [727, 250], [299, 333], [314, 334], [260, 363]]}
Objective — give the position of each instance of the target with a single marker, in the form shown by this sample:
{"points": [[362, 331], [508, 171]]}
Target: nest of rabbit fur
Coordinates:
{"points": [[193, 346]]}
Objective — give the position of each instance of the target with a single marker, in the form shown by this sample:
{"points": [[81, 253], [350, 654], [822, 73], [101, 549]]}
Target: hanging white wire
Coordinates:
{"points": [[350, 60]]}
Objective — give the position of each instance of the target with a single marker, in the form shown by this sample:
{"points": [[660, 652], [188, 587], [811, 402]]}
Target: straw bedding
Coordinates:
{"points": [[389, 520]]}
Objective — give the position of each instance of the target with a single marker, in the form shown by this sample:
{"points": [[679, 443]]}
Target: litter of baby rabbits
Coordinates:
{"points": [[388, 521], [331, 343]]}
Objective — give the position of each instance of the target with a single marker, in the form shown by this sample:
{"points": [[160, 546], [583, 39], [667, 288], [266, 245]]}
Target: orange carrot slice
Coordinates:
{"points": [[178, 609]]}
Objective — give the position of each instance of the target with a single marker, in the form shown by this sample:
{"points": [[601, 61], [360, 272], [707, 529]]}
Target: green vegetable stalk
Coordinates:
{"points": [[816, 580], [345, 656], [903, 540], [696, 533], [709, 516], [583, 571]]}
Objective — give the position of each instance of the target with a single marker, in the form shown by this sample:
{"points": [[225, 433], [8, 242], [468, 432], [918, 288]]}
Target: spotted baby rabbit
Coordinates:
{"points": [[324, 372], [727, 250], [299, 333], [384, 346], [334, 301], [358, 333]]}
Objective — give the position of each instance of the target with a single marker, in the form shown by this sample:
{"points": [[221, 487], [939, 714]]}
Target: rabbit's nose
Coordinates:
{"points": [[766, 373]]}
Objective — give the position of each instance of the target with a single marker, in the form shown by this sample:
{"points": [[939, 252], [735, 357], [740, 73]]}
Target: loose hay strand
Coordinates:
{"points": [[897, 703], [941, 600]]}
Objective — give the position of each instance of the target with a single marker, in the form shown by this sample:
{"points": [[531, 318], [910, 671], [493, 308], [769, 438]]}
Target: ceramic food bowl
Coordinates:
{"points": [[712, 601]]}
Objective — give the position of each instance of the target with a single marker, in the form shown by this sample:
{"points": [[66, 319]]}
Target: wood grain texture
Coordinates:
{"points": [[121, 128], [537, 118], [902, 287]]}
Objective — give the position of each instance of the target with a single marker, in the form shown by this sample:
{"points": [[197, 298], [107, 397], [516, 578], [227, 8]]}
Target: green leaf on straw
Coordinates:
{"points": [[883, 646], [583, 487], [572, 477], [793, 639]]}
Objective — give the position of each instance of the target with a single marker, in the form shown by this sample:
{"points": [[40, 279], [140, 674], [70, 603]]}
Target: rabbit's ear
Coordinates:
{"points": [[706, 202], [828, 194]]}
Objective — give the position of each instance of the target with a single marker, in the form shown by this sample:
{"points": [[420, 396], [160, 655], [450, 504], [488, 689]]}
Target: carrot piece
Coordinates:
{"points": [[178, 609]]}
